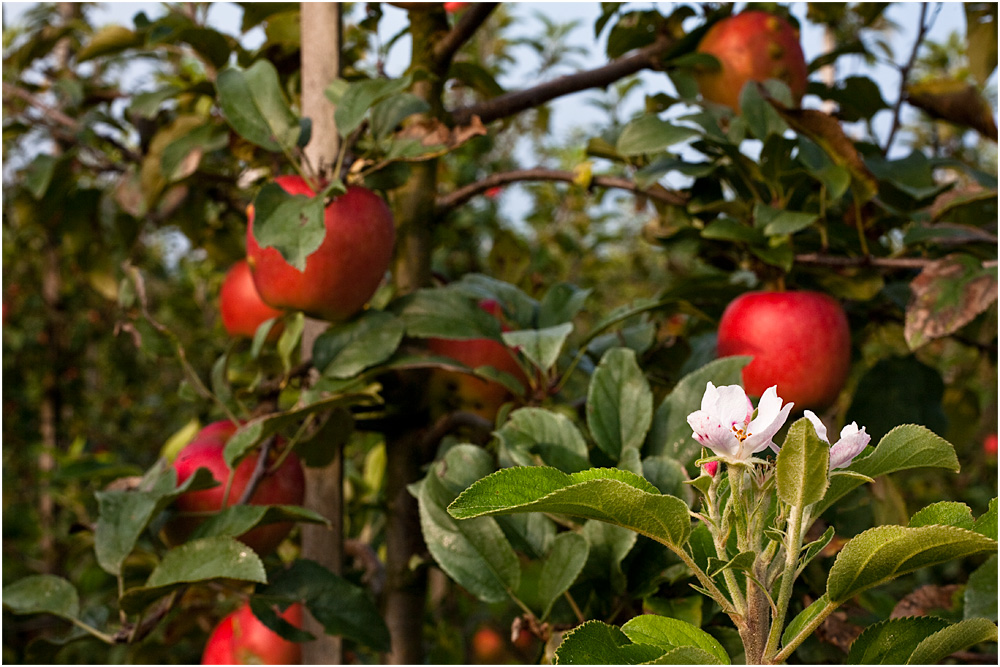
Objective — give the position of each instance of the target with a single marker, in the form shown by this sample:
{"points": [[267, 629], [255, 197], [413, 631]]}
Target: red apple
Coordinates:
{"points": [[990, 444], [452, 7], [800, 342], [460, 391], [752, 46], [241, 306], [285, 486], [241, 639], [341, 276], [487, 645]]}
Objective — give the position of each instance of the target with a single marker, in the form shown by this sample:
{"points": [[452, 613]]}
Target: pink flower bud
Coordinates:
{"points": [[711, 468]]}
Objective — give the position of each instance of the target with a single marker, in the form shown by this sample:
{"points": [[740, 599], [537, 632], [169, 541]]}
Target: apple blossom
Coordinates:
{"points": [[726, 425], [852, 441]]}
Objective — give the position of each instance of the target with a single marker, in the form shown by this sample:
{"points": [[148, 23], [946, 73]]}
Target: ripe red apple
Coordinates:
{"points": [[452, 7], [286, 486], [800, 342], [454, 390], [752, 46], [487, 645], [990, 444], [241, 307], [241, 639], [344, 272]]}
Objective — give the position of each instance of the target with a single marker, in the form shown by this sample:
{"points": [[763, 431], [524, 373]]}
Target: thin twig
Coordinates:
{"points": [[904, 73], [259, 469], [363, 553], [466, 27], [817, 259], [517, 101], [463, 194]]}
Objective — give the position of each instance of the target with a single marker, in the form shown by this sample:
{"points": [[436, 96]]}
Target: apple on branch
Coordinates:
{"points": [[241, 307], [241, 639], [342, 274]]}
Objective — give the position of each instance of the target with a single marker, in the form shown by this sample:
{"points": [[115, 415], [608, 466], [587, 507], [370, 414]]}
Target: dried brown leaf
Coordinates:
{"points": [[956, 102], [947, 295], [926, 598]]}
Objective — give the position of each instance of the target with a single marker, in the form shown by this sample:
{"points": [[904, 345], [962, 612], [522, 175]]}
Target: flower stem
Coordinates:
{"points": [[720, 546], [792, 548]]}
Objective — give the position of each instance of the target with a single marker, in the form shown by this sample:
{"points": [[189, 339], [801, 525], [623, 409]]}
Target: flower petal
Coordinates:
{"points": [[733, 408], [852, 442], [761, 432], [818, 425], [710, 397], [712, 433]]}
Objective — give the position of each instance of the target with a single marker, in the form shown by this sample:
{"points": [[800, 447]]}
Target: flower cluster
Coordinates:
{"points": [[726, 425]]}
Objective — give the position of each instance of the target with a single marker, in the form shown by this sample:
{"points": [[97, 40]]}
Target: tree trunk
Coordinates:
{"points": [[321, 33]]}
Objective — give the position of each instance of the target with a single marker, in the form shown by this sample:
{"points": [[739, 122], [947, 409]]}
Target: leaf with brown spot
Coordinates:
{"points": [[926, 598], [435, 135], [947, 295], [828, 134], [955, 198], [956, 102]]}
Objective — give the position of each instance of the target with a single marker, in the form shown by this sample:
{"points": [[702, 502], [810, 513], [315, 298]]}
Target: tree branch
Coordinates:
{"points": [[260, 468], [454, 421], [519, 100], [466, 27], [904, 73], [817, 259], [463, 194]]}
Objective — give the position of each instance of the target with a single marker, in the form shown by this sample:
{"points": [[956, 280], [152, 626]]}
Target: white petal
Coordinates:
{"points": [[760, 436], [733, 407], [852, 442], [710, 397], [818, 425], [712, 433], [768, 409]]}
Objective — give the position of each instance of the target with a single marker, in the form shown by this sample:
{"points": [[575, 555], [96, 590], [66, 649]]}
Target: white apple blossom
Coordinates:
{"points": [[852, 441], [726, 425]]}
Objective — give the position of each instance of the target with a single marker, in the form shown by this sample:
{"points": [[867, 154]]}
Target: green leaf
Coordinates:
{"points": [[42, 594], [561, 304], [609, 545], [107, 41], [195, 561], [561, 567], [263, 607], [727, 229], [778, 222], [687, 655], [123, 515], [606, 494], [670, 434], [289, 339], [476, 554], [476, 77], [804, 618], [802, 466], [814, 548], [904, 447], [360, 96], [37, 176], [742, 561], [619, 403], [648, 134], [886, 552], [597, 643], [254, 104], [893, 641], [550, 435], [540, 346], [346, 350], [238, 519], [986, 524], [390, 112], [669, 476], [292, 224], [981, 591], [342, 608], [761, 117], [182, 156], [981, 36], [956, 637], [670, 633], [944, 514], [445, 313]]}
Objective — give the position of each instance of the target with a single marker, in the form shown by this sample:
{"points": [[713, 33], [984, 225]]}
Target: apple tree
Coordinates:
{"points": [[445, 424]]}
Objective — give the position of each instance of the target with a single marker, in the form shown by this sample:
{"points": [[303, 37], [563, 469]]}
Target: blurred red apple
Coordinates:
{"points": [[487, 645], [241, 639], [453, 390], [990, 444], [285, 486], [452, 7], [341, 276], [799, 341], [241, 307], [752, 46]]}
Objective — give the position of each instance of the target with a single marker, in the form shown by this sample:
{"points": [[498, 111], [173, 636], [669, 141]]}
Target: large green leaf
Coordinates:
{"points": [[597, 643], [885, 552], [904, 447], [671, 434], [475, 553], [670, 633], [123, 515], [254, 104], [892, 642], [198, 560], [779, 221], [944, 514], [648, 134], [541, 346], [42, 594], [445, 313], [619, 403], [986, 524], [802, 466], [291, 224], [561, 568], [550, 435], [238, 519], [358, 97], [341, 607], [561, 304], [606, 494], [981, 591], [344, 351], [957, 637]]}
